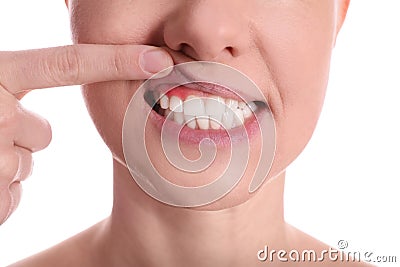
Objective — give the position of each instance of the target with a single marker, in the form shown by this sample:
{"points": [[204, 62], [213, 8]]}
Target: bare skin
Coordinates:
{"points": [[291, 69], [212, 243]]}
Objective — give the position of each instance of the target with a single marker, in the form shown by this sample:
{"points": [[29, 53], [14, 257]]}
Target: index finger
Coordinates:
{"points": [[79, 64]]}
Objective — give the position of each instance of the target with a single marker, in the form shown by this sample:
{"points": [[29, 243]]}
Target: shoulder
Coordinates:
{"points": [[74, 251]]}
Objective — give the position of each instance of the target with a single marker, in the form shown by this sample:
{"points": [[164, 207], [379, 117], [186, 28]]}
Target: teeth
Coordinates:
{"points": [[233, 104], [229, 115], [247, 112], [241, 105], [190, 121], [175, 104], [227, 119], [239, 118], [168, 115], [252, 106], [215, 108], [194, 106], [164, 102], [179, 118], [215, 125], [205, 113], [203, 122]]}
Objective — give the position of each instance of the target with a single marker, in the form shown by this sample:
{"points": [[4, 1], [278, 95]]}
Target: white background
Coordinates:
{"points": [[344, 186]]}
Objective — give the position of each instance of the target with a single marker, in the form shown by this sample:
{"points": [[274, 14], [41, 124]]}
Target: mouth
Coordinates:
{"points": [[204, 110]]}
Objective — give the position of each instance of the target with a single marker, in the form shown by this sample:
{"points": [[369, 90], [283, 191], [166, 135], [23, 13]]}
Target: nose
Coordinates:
{"points": [[208, 29]]}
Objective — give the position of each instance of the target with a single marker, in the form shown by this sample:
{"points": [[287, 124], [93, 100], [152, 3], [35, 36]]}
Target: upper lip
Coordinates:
{"points": [[199, 78], [214, 89], [191, 80]]}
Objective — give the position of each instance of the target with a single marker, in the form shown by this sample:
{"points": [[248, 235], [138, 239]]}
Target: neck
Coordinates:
{"points": [[144, 232]]}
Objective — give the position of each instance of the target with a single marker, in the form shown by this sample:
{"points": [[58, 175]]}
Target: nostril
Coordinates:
{"points": [[188, 51], [181, 47], [231, 50]]}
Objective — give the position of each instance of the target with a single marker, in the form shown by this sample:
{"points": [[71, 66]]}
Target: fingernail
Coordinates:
{"points": [[155, 60]]}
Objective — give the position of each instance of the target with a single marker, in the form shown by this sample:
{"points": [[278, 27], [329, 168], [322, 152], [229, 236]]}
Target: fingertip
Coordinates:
{"points": [[156, 60], [5, 205]]}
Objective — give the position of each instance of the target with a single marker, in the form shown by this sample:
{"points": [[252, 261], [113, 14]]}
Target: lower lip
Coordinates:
{"points": [[221, 138]]}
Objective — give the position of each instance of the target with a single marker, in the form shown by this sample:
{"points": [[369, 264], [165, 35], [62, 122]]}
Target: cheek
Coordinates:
{"points": [[299, 58], [106, 103], [117, 22]]}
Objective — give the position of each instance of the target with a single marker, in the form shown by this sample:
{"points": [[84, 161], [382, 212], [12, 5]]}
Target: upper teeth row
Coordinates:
{"points": [[207, 112]]}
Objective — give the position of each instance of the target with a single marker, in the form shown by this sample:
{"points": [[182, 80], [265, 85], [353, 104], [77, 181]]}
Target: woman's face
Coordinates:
{"points": [[284, 46]]}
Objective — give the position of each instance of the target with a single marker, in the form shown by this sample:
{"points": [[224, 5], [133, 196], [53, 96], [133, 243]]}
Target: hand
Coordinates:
{"points": [[23, 132]]}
